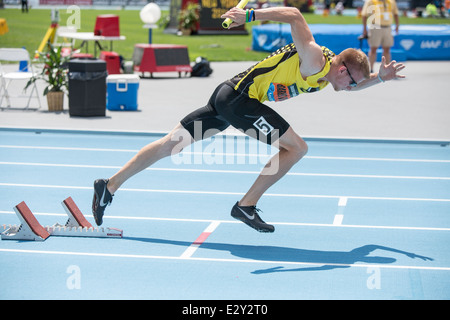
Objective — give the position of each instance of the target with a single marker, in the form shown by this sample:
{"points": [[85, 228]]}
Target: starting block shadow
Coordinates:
{"points": [[76, 225]]}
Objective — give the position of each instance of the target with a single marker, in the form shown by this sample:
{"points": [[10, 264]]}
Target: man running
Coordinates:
{"points": [[300, 67]]}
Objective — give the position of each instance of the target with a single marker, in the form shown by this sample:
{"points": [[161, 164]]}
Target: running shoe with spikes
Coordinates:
{"points": [[249, 215], [102, 198]]}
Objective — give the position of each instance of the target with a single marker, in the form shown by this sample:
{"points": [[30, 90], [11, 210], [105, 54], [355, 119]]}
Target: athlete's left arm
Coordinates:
{"points": [[387, 72]]}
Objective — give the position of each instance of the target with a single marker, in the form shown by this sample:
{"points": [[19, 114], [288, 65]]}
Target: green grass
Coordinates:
{"points": [[29, 29]]}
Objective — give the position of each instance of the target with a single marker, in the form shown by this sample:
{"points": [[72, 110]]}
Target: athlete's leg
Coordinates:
{"points": [[292, 149], [191, 128], [261, 122], [181, 136], [104, 189], [172, 143]]}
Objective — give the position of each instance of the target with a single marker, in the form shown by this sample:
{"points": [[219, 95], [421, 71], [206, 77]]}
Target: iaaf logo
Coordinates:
{"points": [[407, 44], [430, 44], [425, 44]]}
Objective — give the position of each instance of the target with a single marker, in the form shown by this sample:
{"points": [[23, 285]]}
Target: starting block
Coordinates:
{"points": [[29, 228], [76, 225]]}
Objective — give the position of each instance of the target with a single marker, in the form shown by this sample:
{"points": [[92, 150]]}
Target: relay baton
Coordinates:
{"points": [[226, 23]]}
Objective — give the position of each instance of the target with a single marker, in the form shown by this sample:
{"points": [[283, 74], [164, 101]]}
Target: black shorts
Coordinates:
{"points": [[229, 107]]}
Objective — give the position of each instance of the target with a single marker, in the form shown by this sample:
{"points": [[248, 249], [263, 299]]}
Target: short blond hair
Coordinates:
{"points": [[356, 59]]}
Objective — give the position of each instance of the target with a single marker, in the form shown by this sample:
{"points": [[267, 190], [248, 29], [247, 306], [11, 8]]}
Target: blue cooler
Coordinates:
{"points": [[122, 92]]}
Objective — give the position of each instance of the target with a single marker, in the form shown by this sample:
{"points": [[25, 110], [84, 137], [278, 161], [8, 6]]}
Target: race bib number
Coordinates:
{"points": [[263, 126], [280, 92]]}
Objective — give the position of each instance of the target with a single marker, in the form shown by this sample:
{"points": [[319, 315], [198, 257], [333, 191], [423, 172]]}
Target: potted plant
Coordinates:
{"points": [[54, 73], [189, 18]]}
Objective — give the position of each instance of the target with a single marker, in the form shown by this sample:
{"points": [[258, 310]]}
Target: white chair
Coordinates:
{"points": [[16, 54]]}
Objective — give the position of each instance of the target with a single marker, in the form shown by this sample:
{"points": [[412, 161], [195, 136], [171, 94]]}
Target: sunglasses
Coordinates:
{"points": [[353, 83]]}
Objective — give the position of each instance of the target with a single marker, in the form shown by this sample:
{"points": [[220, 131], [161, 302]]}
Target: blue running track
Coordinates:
{"points": [[355, 219]]}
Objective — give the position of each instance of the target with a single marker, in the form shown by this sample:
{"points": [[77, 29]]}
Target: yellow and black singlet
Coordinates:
{"points": [[278, 77]]}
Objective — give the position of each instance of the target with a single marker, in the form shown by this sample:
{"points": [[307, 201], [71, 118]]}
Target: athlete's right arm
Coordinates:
{"points": [[310, 53]]}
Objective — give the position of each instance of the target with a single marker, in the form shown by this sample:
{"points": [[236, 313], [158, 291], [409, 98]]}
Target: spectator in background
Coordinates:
{"points": [[339, 8], [439, 4], [24, 6], [378, 16]]}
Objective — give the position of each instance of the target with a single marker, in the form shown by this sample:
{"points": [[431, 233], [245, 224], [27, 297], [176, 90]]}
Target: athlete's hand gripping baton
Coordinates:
{"points": [[226, 23]]}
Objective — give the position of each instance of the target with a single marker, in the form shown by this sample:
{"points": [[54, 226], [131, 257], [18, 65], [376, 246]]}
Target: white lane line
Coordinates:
{"points": [[339, 217], [228, 154], [300, 224], [140, 256], [342, 202], [289, 195], [378, 159], [337, 175], [67, 148]]}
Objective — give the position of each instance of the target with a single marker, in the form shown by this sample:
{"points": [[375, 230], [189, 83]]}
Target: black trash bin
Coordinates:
{"points": [[87, 87]]}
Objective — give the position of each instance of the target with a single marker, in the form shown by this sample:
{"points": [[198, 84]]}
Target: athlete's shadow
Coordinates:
{"points": [[314, 260], [336, 259]]}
